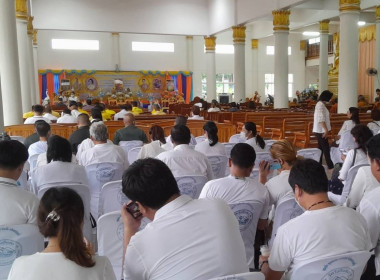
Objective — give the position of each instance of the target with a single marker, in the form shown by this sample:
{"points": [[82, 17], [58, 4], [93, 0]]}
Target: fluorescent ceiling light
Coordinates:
{"points": [[361, 23], [310, 33], [152, 47], [71, 44]]}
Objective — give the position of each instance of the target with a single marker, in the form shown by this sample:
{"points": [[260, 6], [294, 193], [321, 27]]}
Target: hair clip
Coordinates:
{"points": [[53, 215]]}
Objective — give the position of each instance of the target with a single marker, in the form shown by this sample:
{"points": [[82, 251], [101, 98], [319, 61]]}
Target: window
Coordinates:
{"points": [[269, 84], [71, 44], [270, 50], [204, 85], [152, 47], [314, 40], [224, 83]]}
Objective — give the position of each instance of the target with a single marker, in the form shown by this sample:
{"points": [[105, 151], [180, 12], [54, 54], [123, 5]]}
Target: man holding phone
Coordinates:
{"points": [[187, 239]]}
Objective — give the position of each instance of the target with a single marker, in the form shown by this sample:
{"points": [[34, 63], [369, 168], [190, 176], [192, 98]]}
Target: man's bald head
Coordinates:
{"points": [[129, 119]]}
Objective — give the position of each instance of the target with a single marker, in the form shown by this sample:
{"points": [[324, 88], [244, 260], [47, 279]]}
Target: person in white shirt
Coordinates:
{"points": [[374, 126], [195, 111], [183, 160], [353, 115], [125, 109], [67, 117], [284, 155], [213, 107], [38, 111], [49, 114], [73, 106], [67, 256], [323, 230], [17, 206], [103, 151], [251, 137], [211, 146], [43, 130], [238, 188], [187, 239], [154, 148], [321, 127], [59, 168], [179, 120], [369, 207]]}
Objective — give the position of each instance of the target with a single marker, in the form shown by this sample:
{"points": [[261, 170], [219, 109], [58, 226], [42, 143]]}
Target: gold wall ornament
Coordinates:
{"points": [[35, 37], [378, 13], [255, 44], [367, 33], [238, 33], [189, 37], [281, 20], [30, 25], [21, 9], [324, 26], [210, 43], [303, 45], [115, 33], [349, 5]]}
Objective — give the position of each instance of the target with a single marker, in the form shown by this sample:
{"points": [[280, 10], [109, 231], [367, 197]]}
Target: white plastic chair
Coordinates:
{"points": [[285, 211], [242, 276], [23, 181], [111, 198], [346, 143], [348, 266], [218, 165], [200, 139], [260, 156], [236, 139], [128, 145], [229, 147], [33, 162], [16, 241], [191, 185], [340, 199], [98, 174], [110, 234], [132, 154], [248, 215], [84, 193], [313, 153], [18, 138], [268, 144]]}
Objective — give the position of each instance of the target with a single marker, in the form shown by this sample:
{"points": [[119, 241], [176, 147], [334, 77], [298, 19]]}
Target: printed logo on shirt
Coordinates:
{"points": [[9, 251], [105, 174], [342, 273], [244, 214], [187, 186], [121, 198]]}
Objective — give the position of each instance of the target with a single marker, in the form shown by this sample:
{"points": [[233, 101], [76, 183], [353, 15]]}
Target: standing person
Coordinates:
{"points": [[251, 137], [321, 126], [211, 146]]}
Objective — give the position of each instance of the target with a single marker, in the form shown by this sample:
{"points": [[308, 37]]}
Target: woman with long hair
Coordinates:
{"points": [[68, 255], [154, 148], [353, 119], [211, 146], [251, 137]]}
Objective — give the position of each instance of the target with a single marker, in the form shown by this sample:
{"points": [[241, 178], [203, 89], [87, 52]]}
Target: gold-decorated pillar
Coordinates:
{"points": [[323, 55], [377, 52], [238, 33], [32, 81], [35, 65], [349, 47], [255, 64], [281, 61], [210, 44]]}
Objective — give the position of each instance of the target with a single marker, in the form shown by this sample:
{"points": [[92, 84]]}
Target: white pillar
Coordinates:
{"points": [[323, 55], [239, 63], [9, 65], [35, 65], [189, 52], [255, 65], [116, 50], [348, 59], [22, 36], [377, 52], [210, 43], [1, 111], [32, 81], [281, 34]]}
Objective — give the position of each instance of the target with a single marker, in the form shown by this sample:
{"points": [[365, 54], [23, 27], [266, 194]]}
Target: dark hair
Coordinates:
{"points": [[69, 209], [180, 134], [250, 126], [73, 103], [375, 114], [59, 149], [373, 147], [309, 175], [134, 103], [212, 132], [88, 101], [362, 134], [67, 111], [325, 96], [243, 155], [79, 104], [233, 104], [96, 113], [251, 105], [47, 109], [128, 107], [83, 118], [42, 129], [150, 182], [12, 154], [354, 114], [157, 133], [38, 108], [180, 120], [196, 110]]}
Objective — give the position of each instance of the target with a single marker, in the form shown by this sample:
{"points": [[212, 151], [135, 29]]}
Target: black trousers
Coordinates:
{"points": [[370, 272], [323, 145]]}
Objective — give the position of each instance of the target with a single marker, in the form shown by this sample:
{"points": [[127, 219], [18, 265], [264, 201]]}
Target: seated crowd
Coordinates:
{"points": [[208, 227]]}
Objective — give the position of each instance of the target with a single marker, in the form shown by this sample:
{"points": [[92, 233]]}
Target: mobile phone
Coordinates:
{"points": [[133, 209], [274, 165]]}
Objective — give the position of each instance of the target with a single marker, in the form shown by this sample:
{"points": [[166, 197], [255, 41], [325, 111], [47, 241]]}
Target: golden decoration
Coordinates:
{"points": [[281, 20], [30, 25], [334, 71], [303, 45], [324, 26], [349, 5], [367, 33], [115, 33], [21, 9], [255, 43], [189, 37], [238, 33], [35, 37], [378, 13], [210, 43]]}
